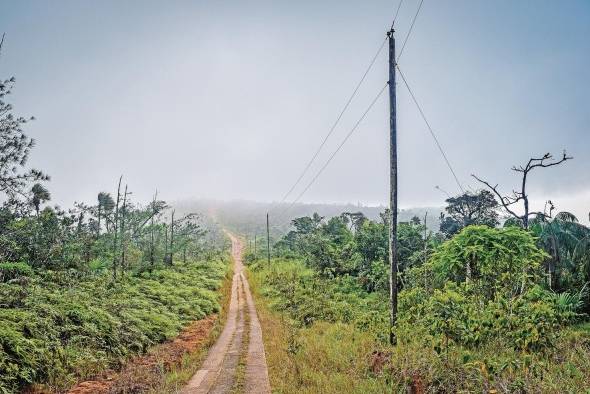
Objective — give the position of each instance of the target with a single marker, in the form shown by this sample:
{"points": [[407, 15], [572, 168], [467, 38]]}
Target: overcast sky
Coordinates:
{"points": [[229, 99]]}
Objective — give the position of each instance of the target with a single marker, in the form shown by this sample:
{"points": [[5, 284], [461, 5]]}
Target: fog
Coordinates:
{"points": [[230, 99]]}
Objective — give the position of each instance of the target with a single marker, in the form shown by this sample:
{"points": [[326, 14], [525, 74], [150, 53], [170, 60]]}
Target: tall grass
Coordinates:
{"points": [[329, 336]]}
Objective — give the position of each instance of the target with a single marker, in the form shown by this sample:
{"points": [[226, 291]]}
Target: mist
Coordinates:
{"points": [[229, 100]]}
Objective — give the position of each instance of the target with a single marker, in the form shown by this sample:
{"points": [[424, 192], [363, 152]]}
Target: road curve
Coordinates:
{"points": [[218, 374]]}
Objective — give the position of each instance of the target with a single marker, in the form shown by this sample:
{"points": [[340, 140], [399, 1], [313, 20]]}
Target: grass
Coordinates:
{"points": [[326, 336], [321, 358]]}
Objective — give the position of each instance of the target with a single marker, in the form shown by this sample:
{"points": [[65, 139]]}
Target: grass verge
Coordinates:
{"points": [[326, 336]]}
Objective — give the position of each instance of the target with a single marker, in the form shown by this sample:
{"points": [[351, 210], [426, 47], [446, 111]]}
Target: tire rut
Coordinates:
{"points": [[219, 372]]}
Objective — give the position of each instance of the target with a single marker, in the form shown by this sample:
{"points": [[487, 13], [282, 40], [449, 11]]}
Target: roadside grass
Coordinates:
{"points": [[326, 336], [322, 358]]}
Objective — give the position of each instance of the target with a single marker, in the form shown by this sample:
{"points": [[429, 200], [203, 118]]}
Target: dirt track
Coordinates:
{"points": [[220, 372]]}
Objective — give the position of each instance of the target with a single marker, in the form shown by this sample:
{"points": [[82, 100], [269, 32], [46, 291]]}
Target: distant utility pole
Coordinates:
{"points": [[267, 241], [255, 255], [392, 189]]}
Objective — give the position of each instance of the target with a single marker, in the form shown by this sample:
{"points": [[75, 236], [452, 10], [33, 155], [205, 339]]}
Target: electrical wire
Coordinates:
{"points": [[317, 175], [410, 31], [318, 150], [396, 13], [440, 148]]}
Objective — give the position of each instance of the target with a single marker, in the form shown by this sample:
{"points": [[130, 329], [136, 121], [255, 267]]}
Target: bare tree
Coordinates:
{"points": [[154, 212], [123, 240], [115, 254], [517, 196]]}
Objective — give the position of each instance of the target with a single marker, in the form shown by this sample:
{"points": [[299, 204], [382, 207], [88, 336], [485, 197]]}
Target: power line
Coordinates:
{"points": [[396, 13], [430, 129], [336, 151], [318, 150], [410, 31]]}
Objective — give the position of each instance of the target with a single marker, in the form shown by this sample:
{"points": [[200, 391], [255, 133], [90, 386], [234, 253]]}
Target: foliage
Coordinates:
{"points": [[330, 335], [12, 271], [15, 147], [63, 325], [568, 244], [505, 260], [351, 244], [468, 209]]}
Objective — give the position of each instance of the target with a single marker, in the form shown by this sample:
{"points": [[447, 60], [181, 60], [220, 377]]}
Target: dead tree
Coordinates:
{"points": [[123, 241], [517, 196], [165, 243], [116, 230], [171, 239], [152, 231]]}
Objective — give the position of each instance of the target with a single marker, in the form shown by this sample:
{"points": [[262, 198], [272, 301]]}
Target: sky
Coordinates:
{"points": [[230, 99]]}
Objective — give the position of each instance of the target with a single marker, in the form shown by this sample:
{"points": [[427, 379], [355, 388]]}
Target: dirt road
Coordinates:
{"points": [[236, 363]]}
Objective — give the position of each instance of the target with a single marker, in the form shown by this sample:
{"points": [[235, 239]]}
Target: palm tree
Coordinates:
{"points": [[568, 243], [39, 195]]}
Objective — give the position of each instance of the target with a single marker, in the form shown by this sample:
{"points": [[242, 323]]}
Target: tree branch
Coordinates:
{"points": [[502, 199]]}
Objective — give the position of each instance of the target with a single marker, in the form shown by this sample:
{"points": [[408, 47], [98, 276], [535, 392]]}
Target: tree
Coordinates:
{"points": [[478, 208], [105, 207], [517, 196], [568, 243], [15, 147], [39, 195], [490, 259], [356, 219]]}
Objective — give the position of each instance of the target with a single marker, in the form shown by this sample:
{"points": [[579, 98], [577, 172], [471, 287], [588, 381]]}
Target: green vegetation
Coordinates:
{"points": [[57, 327], [83, 289], [478, 309]]}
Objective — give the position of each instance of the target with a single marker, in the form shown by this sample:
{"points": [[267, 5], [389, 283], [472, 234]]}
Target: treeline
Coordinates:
{"points": [[83, 289], [553, 254], [482, 306], [115, 232]]}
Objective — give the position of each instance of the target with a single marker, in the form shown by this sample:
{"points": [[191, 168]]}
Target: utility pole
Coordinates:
{"points": [[171, 238], [255, 254], [152, 232], [392, 189], [267, 241]]}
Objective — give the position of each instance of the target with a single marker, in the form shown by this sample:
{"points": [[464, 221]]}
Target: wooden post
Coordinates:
{"points": [[152, 232], [123, 214], [171, 238], [267, 240], [165, 243], [392, 190], [116, 230]]}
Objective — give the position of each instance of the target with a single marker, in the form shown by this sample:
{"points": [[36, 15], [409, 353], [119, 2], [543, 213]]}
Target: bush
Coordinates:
{"points": [[66, 325], [10, 271]]}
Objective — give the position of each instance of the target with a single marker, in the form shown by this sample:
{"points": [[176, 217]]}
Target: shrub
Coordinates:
{"points": [[10, 271]]}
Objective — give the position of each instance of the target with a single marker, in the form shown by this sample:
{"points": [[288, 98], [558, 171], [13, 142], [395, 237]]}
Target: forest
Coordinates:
{"points": [[485, 303]]}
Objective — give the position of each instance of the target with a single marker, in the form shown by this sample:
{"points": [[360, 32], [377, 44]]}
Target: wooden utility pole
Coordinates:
{"points": [[171, 238], [115, 254], [255, 245], [392, 189], [123, 245], [152, 232], [267, 241]]}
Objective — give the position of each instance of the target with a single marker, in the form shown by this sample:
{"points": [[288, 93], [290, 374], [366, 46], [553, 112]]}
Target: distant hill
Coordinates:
{"points": [[249, 217]]}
